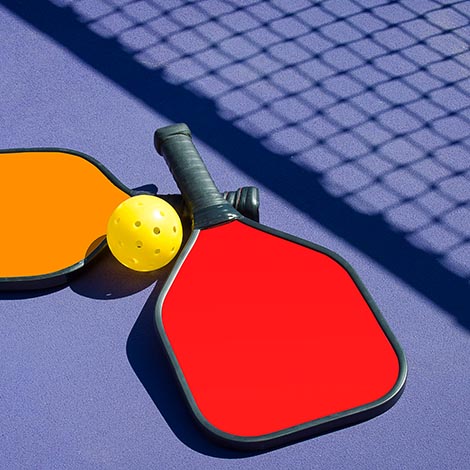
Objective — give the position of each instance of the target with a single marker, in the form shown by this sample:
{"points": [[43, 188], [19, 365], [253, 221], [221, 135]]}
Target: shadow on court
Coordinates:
{"points": [[301, 186]]}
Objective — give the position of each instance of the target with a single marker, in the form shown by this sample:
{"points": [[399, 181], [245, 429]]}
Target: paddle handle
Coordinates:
{"points": [[207, 206]]}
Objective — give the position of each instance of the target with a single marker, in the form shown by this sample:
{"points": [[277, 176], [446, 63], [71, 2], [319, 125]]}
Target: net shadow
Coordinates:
{"points": [[356, 112]]}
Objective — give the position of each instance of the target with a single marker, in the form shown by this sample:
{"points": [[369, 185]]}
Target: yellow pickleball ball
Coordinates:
{"points": [[144, 233]]}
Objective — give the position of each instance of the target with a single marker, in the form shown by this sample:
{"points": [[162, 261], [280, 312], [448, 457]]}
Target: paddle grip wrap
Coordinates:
{"points": [[207, 205]]}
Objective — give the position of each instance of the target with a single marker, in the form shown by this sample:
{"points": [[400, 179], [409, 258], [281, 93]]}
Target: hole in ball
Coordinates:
{"points": [[157, 251], [139, 244], [174, 229], [116, 221], [156, 230], [137, 223]]}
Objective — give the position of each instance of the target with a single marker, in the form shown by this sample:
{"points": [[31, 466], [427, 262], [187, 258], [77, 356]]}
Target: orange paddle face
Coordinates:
{"points": [[55, 205]]}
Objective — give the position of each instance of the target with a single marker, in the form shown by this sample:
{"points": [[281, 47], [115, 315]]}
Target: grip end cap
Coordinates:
{"points": [[165, 133]]}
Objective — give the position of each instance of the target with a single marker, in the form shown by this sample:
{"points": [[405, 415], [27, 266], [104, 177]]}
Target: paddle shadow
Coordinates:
{"points": [[147, 358]]}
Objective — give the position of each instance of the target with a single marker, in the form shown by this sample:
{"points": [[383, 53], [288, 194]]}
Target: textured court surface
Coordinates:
{"points": [[353, 119]]}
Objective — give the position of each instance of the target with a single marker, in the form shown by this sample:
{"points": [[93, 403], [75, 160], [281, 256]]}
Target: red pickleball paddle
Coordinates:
{"points": [[272, 338]]}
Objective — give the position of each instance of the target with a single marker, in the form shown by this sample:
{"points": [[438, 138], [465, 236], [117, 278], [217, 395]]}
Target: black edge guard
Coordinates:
{"points": [[207, 205]]}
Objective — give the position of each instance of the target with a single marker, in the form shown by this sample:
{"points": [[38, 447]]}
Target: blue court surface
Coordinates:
{"points": [[352, 117]]}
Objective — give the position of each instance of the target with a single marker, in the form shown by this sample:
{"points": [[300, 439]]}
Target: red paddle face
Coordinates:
{"points": [[301, 347]]}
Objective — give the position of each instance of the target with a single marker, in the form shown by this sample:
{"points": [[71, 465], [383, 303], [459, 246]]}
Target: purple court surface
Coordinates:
{"points": [[353, 119]]}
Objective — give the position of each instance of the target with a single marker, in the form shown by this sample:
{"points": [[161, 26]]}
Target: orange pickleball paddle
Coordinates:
{"points": [[56, 222]]}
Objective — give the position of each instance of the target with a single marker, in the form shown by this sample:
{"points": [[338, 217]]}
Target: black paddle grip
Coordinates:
{"points": [[207, 205]]}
